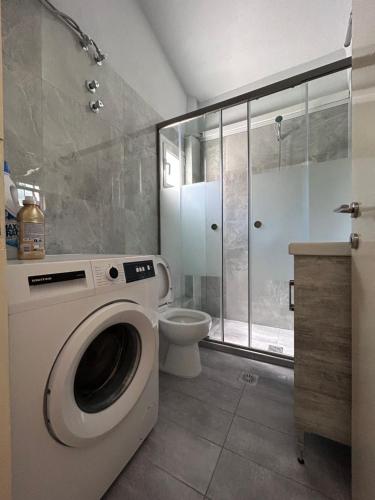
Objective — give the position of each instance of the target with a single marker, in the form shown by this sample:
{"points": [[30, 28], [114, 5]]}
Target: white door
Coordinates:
{"points": [[363, 259]]}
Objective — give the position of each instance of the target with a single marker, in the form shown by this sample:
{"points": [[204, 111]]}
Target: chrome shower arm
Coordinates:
{"points": [[85, 40]]}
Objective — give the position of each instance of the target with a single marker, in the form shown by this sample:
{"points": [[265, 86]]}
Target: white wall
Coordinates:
{"points": [[363, 259], [123, 33]]}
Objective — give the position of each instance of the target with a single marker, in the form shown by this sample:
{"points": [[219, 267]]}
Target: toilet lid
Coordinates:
{"points": [[164, 282]]}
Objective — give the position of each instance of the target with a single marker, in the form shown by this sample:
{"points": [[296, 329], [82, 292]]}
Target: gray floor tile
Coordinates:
{"points": [[256, 405], [202, 419], [277, 451], [274, 372], [240, 479], [181, 453], [228, 368], [213, 392], [278, 390], [141, 480], [223, 367]]}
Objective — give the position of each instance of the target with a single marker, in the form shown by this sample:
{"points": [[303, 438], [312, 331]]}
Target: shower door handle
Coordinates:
{"points": [[291, 304]]}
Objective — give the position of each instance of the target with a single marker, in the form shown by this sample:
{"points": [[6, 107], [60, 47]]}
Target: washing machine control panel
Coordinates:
{"points": [[112, 273], [135, 271], [106, 273]]}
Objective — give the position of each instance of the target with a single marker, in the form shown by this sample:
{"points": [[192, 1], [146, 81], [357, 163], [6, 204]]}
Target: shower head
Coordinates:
{"points": [[348, 38], [278, 121]]}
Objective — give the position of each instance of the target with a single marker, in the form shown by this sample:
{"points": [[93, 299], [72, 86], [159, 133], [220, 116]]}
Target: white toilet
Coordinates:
{"points": [[180, 329]]}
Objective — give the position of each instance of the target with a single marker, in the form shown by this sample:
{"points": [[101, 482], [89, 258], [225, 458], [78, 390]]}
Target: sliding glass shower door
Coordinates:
{"points": [[236, 211], [191, 213], [279, 199], [238, 185]]}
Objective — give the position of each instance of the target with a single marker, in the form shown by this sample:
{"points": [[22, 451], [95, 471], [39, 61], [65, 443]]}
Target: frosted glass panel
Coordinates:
{"points": [[170, 234], [190, 174], [193, 227], [213, 237], [280, 204], [329, 186]]}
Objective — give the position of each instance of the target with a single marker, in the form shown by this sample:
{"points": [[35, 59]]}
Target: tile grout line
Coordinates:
{"points": [[225, 439], [199, 399], [170, 474], [247, 459], [175, 477], [266, 426], [192, 432]]}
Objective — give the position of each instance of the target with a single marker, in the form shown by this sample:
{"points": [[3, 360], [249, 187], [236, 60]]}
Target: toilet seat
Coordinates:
{"points": [[184, 326], [177, 316]]}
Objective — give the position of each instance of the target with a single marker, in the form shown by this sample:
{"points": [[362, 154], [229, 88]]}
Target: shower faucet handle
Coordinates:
{"points": [[100, 58], [96, 106], [92, 85]]}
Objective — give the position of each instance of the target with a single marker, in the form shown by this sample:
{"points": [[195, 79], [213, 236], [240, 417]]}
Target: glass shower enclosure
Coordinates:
{"points": [[241, 181]]}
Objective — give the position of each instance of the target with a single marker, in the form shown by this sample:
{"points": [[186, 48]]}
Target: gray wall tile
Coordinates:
{"points": [[97, 172]]}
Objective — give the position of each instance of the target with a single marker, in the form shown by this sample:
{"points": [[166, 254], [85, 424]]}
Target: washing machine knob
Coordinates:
{"points": [[112, 273]]}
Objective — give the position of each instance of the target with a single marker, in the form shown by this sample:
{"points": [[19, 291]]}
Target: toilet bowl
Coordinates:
{"points": [[180, 330]]}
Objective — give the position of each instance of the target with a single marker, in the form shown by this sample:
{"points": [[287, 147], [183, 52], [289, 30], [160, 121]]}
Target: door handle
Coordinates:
{"points": [[214, 227], [354, 241], [352, 209], [291, 304]]}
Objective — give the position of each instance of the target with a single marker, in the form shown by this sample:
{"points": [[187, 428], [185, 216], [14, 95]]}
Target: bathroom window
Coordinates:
{"points": [[171, 168], [24, 189]]}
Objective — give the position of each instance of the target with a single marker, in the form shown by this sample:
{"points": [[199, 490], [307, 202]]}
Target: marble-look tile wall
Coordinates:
{"points": [[96, 172]]}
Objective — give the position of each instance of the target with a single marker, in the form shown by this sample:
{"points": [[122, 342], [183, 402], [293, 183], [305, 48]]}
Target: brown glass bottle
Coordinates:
{"points": [[31, 242]]}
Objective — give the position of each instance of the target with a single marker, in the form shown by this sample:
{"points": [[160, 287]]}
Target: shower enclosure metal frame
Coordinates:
{"points": [[245, 98]]}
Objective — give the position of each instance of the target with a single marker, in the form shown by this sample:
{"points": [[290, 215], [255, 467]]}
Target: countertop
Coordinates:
{"points": [[324, 248]]}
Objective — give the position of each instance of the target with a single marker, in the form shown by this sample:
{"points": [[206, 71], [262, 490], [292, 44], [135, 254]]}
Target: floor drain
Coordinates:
{"points": [[249, 378], [276, 348]]}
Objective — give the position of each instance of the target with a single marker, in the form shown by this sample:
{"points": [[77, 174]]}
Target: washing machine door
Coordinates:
{"points": [[100, 373]]}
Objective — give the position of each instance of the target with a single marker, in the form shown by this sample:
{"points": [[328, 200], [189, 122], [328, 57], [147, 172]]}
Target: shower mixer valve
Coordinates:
{"points": [[96, 106], [92, 85]]}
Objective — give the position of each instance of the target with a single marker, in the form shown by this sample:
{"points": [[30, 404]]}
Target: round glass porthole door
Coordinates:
{"points": [[107, 367], [100, 373]]}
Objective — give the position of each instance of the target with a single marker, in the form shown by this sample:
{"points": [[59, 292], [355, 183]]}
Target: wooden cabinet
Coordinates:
{"points": [[322, 324]]}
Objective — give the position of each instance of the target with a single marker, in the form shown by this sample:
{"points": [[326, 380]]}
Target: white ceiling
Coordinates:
{"points": [[216, 46]]}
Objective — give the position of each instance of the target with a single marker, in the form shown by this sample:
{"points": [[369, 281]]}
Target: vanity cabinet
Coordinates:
{"points": [[322, 329]]}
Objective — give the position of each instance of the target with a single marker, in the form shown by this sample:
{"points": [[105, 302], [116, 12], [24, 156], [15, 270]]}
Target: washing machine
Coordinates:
{"points": [[83, 334]]}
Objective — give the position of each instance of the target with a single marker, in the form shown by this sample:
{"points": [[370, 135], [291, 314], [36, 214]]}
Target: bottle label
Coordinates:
{"points": [[11, 229], [33, 237]]}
